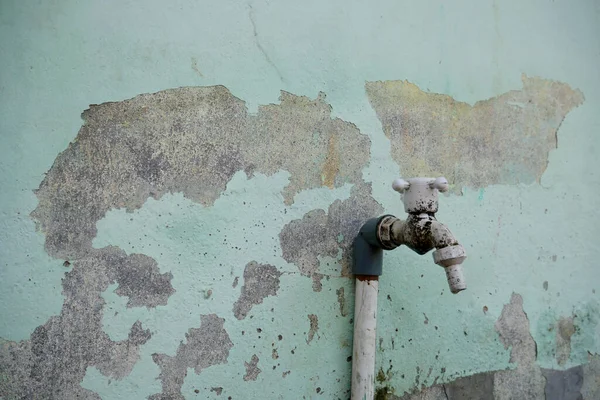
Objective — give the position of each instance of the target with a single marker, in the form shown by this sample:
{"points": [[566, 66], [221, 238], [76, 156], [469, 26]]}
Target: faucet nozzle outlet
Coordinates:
{"points": [[456, 279], [451, 258]]}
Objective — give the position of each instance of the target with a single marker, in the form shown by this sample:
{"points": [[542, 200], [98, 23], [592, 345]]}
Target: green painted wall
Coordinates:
{"points": [[130, 273]]}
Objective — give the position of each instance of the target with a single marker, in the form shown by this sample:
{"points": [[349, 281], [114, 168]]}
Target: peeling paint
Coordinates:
{"points": [[314, 327], [190, 140], [252, 369], [205, 346], [332, 162], [502, 140], [342, 302], [321, 233], [260, 281], [526, 381], [54, 361]]}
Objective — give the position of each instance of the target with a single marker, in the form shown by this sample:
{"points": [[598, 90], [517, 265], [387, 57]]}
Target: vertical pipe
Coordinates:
{"points": [[365, 335]]}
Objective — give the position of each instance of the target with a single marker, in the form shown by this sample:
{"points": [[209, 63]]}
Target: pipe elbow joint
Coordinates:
{"points": [[368, 253]]}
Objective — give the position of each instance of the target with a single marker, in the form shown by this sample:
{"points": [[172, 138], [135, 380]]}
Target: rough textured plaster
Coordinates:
{"points": [[58, 57], [189, 140], [260, 281], [338, 226], [53, 362], [321, 233], [502, 140], [205, 346]]}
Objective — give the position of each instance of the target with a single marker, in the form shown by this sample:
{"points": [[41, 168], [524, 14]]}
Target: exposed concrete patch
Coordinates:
{"points": [[252, 369], [526, 381], [502, 140], [217, 390], [299, 136], [53, 362], [342, 302], [206, 346], [260, 281], [190, 140], [564, 385], [565, 330], [140, 279], [513, 329], [314, 327], [321, 233]]}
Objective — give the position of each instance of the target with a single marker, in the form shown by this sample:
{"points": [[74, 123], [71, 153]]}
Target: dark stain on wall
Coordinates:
{"points": [[321, 233], [205, 346], [566, 329], [503, 140], [314, 327], [260, 281]]}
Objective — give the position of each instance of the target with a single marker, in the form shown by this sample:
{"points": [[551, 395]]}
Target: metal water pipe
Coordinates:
{"points": [[420, 232]]}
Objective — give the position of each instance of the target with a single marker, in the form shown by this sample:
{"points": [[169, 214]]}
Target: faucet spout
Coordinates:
{"points": [[450, 255], [422, 233]]}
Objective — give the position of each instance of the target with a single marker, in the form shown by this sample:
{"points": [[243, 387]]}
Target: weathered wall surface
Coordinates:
{"points": [[191, 237]]}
